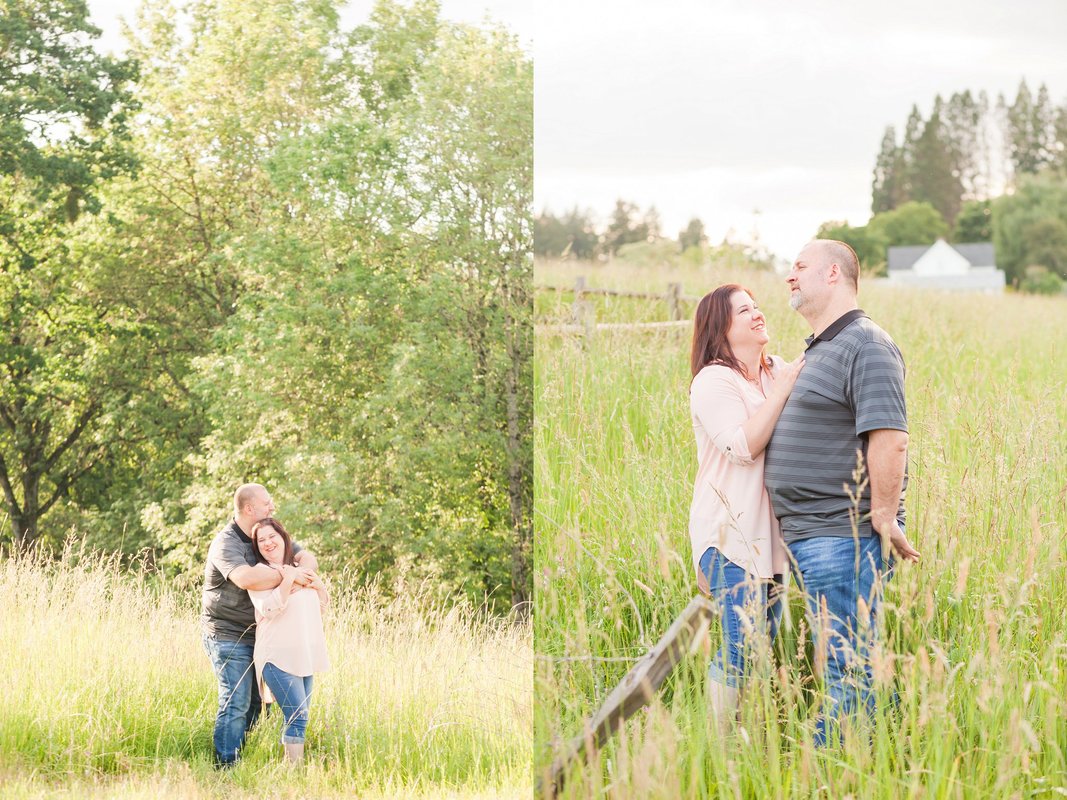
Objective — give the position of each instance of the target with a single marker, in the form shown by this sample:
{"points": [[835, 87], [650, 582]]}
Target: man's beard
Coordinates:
{"points": [[796, 300]]}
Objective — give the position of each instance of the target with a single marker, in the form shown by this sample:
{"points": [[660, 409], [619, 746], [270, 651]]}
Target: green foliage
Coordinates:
{"points": [[868, 243], [693, 235], [318, 279], [934, 177], [572, 236], [1030, 131], [974, 223], [627, 226], [953, 158], [72, 361], [910, 224], [1039, 280], [63, 106], [1028, 227]]}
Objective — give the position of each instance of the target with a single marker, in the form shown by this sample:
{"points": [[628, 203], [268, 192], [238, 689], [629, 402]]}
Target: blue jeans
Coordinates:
{"points": [[750, 607], [239, 700], [293, 694], [835, 574]]}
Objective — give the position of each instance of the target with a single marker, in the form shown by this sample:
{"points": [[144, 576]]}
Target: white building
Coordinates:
{"points": [[965, 267]]}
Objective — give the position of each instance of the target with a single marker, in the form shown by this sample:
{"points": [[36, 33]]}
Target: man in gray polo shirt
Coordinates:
{"points": [[836, 471], [228, 620]]}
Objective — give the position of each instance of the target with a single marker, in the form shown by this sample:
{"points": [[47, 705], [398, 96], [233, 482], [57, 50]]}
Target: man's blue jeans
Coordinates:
{"points": [[836, 574], [239, 700], [750, 608], [293, 694]]}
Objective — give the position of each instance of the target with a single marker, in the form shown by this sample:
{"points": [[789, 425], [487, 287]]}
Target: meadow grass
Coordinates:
{"points": [[974, 644], [105, 691]]}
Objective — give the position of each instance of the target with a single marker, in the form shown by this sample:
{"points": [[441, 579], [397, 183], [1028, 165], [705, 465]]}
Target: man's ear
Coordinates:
{"points": [[833, 273]]}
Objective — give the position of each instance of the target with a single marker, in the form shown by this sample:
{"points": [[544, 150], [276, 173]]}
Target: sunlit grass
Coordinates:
{"points": [[105, 691], [975, 639]]}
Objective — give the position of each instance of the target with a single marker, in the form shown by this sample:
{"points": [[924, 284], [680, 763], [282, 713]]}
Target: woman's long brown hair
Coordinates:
{"points": [[288, 556], [712, 321]]}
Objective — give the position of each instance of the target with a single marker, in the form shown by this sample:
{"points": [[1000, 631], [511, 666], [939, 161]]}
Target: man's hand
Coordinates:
{"points": [[305, 558], [898, 541], [302, 577]]}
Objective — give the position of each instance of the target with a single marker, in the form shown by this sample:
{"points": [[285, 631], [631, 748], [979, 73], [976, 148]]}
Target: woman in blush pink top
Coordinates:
{"points": [[735, 399], [290, 644]]}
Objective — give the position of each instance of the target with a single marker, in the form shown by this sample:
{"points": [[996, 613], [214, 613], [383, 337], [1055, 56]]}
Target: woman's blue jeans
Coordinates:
{"points": [[751, 608], [836, 573], [239, 700], [293, 694]]}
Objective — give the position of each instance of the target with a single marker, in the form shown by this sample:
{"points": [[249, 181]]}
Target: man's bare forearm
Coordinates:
{"points": [[306, 559], [256, 578], [887, 460]]}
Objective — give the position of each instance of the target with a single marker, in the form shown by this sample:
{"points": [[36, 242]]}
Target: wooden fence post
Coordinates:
{"points": [[674, 291], [634, 692], [581, 312]]}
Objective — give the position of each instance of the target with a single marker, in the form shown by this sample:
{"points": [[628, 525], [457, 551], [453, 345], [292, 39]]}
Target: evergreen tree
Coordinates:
{"points": [[693, 235], [1030, 131], [934, 177], [886, 187]]}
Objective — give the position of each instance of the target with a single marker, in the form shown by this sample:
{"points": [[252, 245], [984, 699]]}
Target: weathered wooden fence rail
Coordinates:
{"points": [[633, 693], [583, 315]]}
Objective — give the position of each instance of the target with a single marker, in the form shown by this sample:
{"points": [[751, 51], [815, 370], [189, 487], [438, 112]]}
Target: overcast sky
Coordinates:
{"points": [[749, 115], [718, 109]]}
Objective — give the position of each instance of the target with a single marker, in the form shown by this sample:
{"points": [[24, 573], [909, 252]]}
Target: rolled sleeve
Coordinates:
{"points": [[720, 409], [268, 603], [226, 554]]}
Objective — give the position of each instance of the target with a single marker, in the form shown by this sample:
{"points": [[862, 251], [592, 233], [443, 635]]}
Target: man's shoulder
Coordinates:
{"points": [[229, 535], [866, 331]]}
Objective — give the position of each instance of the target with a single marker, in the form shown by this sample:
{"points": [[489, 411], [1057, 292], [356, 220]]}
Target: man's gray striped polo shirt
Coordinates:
{"points": [[852, 383]]}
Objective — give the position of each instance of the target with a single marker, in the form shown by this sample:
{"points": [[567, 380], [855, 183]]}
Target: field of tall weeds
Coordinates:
{"points": [[106, 692], [972, 665]]}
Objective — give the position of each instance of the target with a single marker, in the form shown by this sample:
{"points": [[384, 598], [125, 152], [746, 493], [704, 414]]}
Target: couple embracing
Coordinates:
{"points": [[800, 464], [262, 624]]}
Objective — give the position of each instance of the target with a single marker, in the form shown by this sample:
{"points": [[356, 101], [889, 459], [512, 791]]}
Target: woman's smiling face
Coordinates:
{"points": [[748, 326], [271, 544]]}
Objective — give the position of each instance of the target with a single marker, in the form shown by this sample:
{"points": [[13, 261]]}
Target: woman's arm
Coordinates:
{"points": [[759, 427], [275, 603], [718, 403]]}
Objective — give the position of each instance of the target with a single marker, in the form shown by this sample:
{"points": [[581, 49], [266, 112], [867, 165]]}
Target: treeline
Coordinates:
{"points": [[974, 171], [265, 248], [575, 233], [637, 237]]}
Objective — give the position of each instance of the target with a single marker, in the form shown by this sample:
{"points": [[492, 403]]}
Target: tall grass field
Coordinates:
{"points": [[106, 692], [972, 663]]}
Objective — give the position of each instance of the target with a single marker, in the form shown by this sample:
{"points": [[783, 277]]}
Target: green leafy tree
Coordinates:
{"points": [[1039, 280], [870, 245], [63, 136], [572, 235], [1028, 227], [373, 368], [911, 224], [974, 223]]}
